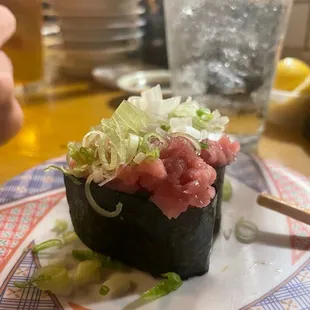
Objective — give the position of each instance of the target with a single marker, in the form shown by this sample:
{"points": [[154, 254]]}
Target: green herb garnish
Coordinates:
{"points": [[164, 287]]}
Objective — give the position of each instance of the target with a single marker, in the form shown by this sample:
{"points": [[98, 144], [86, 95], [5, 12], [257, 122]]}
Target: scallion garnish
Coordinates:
{"points": [[60, 226], [164, 287], [227, 190], [47, 245], [246, 231]]}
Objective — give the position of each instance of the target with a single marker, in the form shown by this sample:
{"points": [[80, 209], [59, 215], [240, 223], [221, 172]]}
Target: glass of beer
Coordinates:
{"points": [[25, 47]]}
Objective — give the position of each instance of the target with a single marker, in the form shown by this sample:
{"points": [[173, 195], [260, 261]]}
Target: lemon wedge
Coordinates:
{"points": [[291, 73], [304, 87]]}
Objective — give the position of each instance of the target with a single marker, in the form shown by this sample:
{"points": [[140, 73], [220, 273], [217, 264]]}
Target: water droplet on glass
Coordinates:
{"points": [[233, 7], [245, 14], [227, 64], [275, 9]]}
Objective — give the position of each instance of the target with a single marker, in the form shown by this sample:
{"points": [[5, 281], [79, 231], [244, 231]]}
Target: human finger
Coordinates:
{"points": [[7, 24], [5, 63], [11, 115]]}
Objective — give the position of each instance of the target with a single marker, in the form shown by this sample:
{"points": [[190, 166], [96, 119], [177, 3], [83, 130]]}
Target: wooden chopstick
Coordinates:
{"points": [[292, 210]]}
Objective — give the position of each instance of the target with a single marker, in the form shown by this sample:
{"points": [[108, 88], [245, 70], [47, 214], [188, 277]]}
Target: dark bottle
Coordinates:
{"points": [[154, 45]]}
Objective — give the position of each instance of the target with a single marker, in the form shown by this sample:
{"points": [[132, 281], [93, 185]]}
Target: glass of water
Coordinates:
{"points": [[223, 53]]}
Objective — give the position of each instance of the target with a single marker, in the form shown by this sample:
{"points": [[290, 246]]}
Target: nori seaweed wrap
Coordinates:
{"points": [[219, 183], [141, 236]]}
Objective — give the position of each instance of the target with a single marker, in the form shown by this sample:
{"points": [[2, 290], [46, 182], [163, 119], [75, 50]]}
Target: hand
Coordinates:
{"points": [[11, 115]]}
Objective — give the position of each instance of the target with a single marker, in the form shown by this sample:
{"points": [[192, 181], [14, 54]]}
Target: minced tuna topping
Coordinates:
{"points": [[220, 153], [177, 180]]}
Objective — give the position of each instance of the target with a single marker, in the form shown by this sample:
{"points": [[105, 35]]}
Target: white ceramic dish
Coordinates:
{"points": [[101, 12], [109, 75], [85, 23], [82, 4], [134, 45], [137, 82], [93, 53], [100, 36], [271, 273]]}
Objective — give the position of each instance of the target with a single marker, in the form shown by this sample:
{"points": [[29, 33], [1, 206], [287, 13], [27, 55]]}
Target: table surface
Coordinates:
{"points": [[65, 113]]}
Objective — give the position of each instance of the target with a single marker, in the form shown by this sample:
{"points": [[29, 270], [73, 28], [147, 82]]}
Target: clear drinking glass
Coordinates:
{"points": [[223, 53]]}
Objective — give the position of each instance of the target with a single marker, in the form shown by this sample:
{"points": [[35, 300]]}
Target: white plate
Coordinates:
{"points": [[108, 75], [137, 82], [269, 274]]}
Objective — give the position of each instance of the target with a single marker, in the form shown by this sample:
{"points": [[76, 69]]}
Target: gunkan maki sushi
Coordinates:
{"points": [[143, 186]]}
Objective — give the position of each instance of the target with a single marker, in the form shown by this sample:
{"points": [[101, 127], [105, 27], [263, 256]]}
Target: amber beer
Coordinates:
{"points": [[25, 47]]}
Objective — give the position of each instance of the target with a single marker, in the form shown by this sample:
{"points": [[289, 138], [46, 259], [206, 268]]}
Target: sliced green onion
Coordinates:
{"points": [[47, 245], [204, 146], [246, 231], [132, 118], [118, 284], [108, 157], [90, 137], [192, 140], [49, 278], [227, 190], [22, 285], [69, 237], [164, 287], [148, 137], [86, 272], [153, 154], [139, 158], [227, 233], [165, 127], [162, 132], [81, 155], [186, 109], [65, 172], [106, 261], [95, 206], [204, 114], [104, 290], [54, 279], [60, 226], [133, 145]]}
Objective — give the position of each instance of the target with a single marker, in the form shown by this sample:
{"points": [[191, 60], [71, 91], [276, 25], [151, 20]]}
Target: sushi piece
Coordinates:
{"points": [[143, 186]]}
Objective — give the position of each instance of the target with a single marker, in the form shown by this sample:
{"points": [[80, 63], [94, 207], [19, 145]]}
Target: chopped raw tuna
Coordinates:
{"points": [[178, 180], [189, 180], [220, 153], [132, 178]]}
